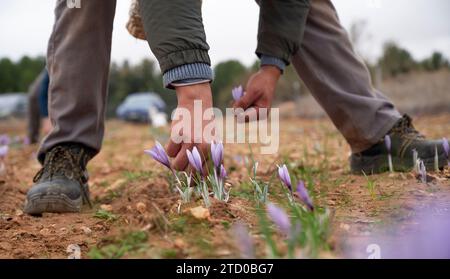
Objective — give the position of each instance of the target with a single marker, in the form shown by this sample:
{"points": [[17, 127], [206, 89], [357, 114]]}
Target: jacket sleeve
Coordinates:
{"points": [[175, 32], [281, 27]]}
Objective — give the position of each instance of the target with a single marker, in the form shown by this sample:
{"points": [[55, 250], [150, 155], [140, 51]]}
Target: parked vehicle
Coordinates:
{"points": [[13, 105], [137, 107]]}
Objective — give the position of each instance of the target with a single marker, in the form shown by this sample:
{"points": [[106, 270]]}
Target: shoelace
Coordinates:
{"points": [[58, 161], [405, 129]]}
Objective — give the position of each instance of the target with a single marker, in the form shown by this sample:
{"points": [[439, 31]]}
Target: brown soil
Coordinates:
{"points": [[135, 190]]}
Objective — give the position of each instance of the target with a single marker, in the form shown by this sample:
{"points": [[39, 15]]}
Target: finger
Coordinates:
{"points": [[181, 161], [253, 114], [247, 100], [173, 148]]}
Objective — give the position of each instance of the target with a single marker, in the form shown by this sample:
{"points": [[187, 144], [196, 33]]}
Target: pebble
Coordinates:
{"points": [[44, 231], [86, 230], [106, 207], [141, 207], [179, 243]]}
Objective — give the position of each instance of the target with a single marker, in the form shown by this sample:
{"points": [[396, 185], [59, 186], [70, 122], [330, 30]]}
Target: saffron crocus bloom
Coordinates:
{"points": [[244, 241], [5, 140], [445, 146], [3, 151], [387, 142], [223, 172], [237, 93], [195, 159], [280, 218], [26, 141], [283, 173], [304, 196], [422, 172], [159, 154], [217, 153]]}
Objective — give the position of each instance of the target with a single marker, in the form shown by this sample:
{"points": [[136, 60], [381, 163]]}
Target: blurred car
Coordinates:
{"points": [[13, 105], [136, 107]]}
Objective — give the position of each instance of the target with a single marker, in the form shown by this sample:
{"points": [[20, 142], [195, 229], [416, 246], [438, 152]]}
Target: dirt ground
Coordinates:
{"points": [[135, 211]]}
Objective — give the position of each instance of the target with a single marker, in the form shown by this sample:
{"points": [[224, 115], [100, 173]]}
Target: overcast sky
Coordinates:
{"points": [[420, 26]]}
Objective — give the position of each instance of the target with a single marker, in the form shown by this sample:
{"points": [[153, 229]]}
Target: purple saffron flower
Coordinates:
{"points": [[422, 172], [5, 140], [223, 172], [280, 218], [387, 142], [304, 196], [445, 146], [283, 173], [237, 93], [195, 159], [243, 240], [159, 154], [26, 141], [217, 153], [3, 151]]}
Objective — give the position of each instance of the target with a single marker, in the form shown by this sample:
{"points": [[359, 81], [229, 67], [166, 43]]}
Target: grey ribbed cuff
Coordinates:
{"points": [[273, 61], [187, 71]]}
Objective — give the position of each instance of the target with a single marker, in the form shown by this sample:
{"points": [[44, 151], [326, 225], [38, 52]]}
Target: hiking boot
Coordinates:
{"points": [[62, 183], [404, 139]]}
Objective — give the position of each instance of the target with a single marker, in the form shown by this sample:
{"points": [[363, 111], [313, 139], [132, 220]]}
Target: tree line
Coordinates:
{"points": [[16, 76]]}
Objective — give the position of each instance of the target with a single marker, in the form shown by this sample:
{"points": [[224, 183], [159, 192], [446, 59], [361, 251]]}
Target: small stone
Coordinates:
{"points": [[200, 212], [44, 231], [106, 207], [86, 230], [179, 243], [63, 230], [345, 226], [141, 207], [19, 212], [74, 251], [147, 227]]}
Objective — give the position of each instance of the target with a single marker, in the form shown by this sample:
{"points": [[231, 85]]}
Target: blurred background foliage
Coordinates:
{"points": [[16, 76]]}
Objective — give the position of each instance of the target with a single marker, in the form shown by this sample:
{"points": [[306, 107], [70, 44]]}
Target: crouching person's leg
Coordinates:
{"points": [[78, 62], [341, 83]]}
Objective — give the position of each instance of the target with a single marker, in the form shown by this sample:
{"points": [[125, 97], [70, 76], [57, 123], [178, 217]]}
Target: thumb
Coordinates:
{"points": [[246, 101]]}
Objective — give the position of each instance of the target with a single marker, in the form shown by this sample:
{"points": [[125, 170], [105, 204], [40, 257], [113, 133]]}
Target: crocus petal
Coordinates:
{"points": [[5, 140], [423, 172], [283, 173], [445, 146], [280, 218], [244, 241], [159, 154], [26, 141], [387, 142], [195, 159], [304, 196], [223, 172], [237, 93], [3, 151], [217, 153], [191, 159]]}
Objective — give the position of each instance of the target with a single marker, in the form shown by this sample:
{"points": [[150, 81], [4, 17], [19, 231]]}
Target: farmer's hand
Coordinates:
{"points": [[189, 129], [260, 91]]}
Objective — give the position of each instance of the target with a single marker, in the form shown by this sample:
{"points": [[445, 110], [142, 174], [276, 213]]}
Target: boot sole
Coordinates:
{"points": [[38, 204], [379, 164]]}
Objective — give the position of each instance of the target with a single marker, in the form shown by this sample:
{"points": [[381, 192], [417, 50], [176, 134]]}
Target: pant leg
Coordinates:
{"points": [[78, 61], [340, 81], [33, 116]]}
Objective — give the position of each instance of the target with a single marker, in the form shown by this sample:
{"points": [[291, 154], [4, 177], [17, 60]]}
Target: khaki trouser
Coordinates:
{"points": [[79, 56], [34, 113]]}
